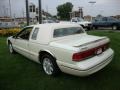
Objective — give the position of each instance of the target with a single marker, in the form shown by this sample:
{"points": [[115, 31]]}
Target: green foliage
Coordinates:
{"points": [[63, 11], [9, 32]]}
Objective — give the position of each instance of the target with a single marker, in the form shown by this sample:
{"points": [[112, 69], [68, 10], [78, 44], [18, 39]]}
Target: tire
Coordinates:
{"points": [[49, 65], [114, 27], [118, 28], [96, 27], [88, 28], [11, 50]]}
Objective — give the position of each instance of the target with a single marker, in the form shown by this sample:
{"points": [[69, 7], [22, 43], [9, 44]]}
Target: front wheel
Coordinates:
{"points": [[49, 65], [11, 50], [94, 27], [89, 28]]}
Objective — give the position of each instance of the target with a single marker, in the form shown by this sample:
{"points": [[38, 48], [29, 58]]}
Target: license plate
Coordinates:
{"points": [[99, 51]]}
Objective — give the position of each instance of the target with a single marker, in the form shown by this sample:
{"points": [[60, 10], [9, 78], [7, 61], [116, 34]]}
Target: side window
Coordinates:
{"points": [[74, 20], [104, 19], [35, 32], [25, 33], [111, 19]]}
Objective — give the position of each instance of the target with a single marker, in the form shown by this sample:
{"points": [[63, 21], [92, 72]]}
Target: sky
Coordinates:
{"points": [[103, 7]]}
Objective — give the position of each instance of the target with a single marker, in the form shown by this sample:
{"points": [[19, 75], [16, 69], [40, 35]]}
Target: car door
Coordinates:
{"points": [[103, 22], [111, 21], [22, 41], [34, 51]]}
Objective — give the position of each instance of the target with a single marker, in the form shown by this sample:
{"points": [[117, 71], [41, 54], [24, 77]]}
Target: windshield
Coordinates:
{"points": [[67, 31], [80, 19], [50, 21]]}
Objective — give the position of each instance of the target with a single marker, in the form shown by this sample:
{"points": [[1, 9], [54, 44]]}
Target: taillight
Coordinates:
{"points": [[106, 46], [89, 53]]}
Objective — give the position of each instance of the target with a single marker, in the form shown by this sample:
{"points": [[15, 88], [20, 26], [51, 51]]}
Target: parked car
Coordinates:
{"points": [[62, 47], [48, 21], [106, 22], [82, 22]]}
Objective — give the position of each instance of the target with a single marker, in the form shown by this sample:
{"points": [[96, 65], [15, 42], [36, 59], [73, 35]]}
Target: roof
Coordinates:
{"points": [[45, 34], [56, 25]]}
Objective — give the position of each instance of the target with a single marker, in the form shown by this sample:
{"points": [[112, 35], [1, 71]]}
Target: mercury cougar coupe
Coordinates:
{"points": [[62, 47]]}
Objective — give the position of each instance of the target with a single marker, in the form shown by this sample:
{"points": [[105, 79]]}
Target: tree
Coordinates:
{"points": [[63, 11], [99, 15]]}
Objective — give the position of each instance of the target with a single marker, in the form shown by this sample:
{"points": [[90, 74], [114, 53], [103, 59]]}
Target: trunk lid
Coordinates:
{"points": [[80, 42]]}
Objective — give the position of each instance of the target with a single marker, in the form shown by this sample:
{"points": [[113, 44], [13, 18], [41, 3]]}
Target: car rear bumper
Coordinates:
{"points": [[79, 71]]}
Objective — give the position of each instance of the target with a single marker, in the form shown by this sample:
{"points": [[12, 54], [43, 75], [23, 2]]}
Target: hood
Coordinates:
{"points": [[84, 22]]}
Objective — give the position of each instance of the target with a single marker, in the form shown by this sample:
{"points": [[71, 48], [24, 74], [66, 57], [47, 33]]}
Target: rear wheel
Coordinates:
{"points": [[114, 27], [49, 65], [96, 27], [118, 28]]}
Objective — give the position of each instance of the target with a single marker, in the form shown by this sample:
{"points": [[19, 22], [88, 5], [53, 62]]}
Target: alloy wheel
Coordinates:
{"points": [[48, 66]]}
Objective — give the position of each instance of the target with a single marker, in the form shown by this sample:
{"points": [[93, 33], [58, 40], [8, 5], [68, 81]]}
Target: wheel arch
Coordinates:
{"points": [[8, 42], [116, 24], [42, 52]]}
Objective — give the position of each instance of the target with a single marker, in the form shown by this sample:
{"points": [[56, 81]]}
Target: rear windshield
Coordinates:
{"points": [[67, 31]]}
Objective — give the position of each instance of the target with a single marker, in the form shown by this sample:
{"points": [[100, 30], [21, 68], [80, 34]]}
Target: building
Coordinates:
{"points": [[117, 17], [20, 20], [33, 11], [87, 18], [78, 13], [7, 22]]}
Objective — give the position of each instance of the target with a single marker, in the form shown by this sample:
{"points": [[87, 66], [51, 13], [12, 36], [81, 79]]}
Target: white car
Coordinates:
{"points": [[62, 47], [48, 21], [82, 22]]}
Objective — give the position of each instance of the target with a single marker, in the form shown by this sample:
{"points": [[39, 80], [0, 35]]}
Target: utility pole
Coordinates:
{"points": [[81, 12], [23, 12], [7, 14], [10, 8], [4, 11], [92, 3], [47, 12], [40, 12], [27, 12]]}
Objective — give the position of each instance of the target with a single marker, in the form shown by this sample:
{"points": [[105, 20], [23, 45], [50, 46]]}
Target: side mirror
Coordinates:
{"points": [[14, 36]]}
